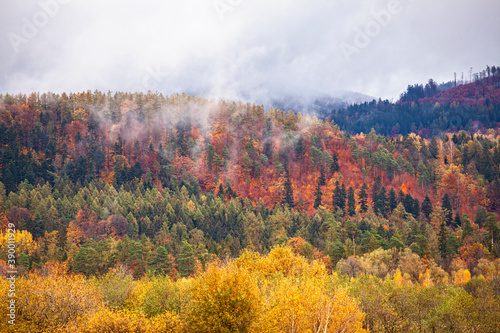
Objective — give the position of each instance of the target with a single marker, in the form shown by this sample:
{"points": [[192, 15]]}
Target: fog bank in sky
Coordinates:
{"points": [[253, 50]]}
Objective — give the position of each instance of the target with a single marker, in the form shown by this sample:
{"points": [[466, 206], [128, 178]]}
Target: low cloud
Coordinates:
{"points": [[251, 50]]}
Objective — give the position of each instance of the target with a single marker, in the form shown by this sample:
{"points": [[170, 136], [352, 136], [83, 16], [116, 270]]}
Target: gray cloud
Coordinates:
{"points": [[243, 49]]}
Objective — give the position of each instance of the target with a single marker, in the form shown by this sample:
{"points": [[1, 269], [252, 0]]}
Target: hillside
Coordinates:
{"points": [[427, 111], [145, 186]]}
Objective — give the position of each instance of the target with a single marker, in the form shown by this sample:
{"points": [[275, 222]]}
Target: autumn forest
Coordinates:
{"points": [[144, 212]]}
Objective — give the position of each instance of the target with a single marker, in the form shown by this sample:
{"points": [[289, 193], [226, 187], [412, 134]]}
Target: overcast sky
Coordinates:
{"points": [[249, 49]]}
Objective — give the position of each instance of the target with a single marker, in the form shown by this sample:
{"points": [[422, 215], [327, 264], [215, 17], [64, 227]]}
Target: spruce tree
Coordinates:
{"points": [[363, 198], [351, 209], [334, 167], [393, 202], [186, 260], [416, 208], [161, 262], [447, 209], [427, 206], [443, 240], [481, 214], [468, 230], [375, 191], [288, 197], [322, 179], [318, 194]]}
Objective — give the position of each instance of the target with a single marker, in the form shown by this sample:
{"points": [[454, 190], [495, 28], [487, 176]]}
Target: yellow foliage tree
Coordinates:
{"points": [[223, 299], [462, 276]]}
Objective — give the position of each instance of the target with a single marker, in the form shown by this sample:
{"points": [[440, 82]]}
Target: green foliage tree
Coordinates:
{"points": [[186, 260]]}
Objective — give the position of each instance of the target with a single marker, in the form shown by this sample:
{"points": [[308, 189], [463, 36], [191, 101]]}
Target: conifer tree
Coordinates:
{"points": [[443, 240], [375, 191], [161, 262], [427, 206], [322, 179], [468, 230], [351, 209], [288, 197], [186, 260], [447, 209], [334, 167], [318, 194], [363, 198], [393, 203]]}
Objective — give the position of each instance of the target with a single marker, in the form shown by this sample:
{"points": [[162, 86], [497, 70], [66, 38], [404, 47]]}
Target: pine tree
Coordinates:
{"points": [[136, 259], [375, 191], [493, 230], [161, 262], [427, 206], [380, 206], [363, 198], [447, 209], [416, 208], [393, 203], [334, 167], [186, 260], [443, 240], [322, 179], [481, 214], [318, 194], [468, 229], [220, 192], [288, 197], [339, 196], [351, 209], [457, 221]]}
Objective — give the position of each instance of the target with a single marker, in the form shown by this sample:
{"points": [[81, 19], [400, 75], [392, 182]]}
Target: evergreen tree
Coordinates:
{"points": [[220, 192], [136, 259], [318, 194], [491, 225], [288, 197], [363, 198], [448, 210], [443, 240], [393, 202], [351, 209], [161, 262], [380, 206], [322, 179], [334, 167], [186, 260], [339, 196], [468, 230], [24, 260], [427, 206], [481, 214], [416, 208], [457, 221], [375, 191]]}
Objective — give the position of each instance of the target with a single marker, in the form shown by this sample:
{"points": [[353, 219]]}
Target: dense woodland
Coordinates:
{"points": [[178, 201], [428, 109]]}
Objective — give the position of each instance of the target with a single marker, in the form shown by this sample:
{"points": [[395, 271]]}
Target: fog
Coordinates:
{"points": [[251, 50]]}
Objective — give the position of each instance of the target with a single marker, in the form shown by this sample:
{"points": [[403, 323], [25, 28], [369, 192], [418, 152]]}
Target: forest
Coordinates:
{"points": [[140, 212]]}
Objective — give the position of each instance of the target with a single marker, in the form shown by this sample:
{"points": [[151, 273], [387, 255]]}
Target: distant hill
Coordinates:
{"points": [[426, 110]]}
